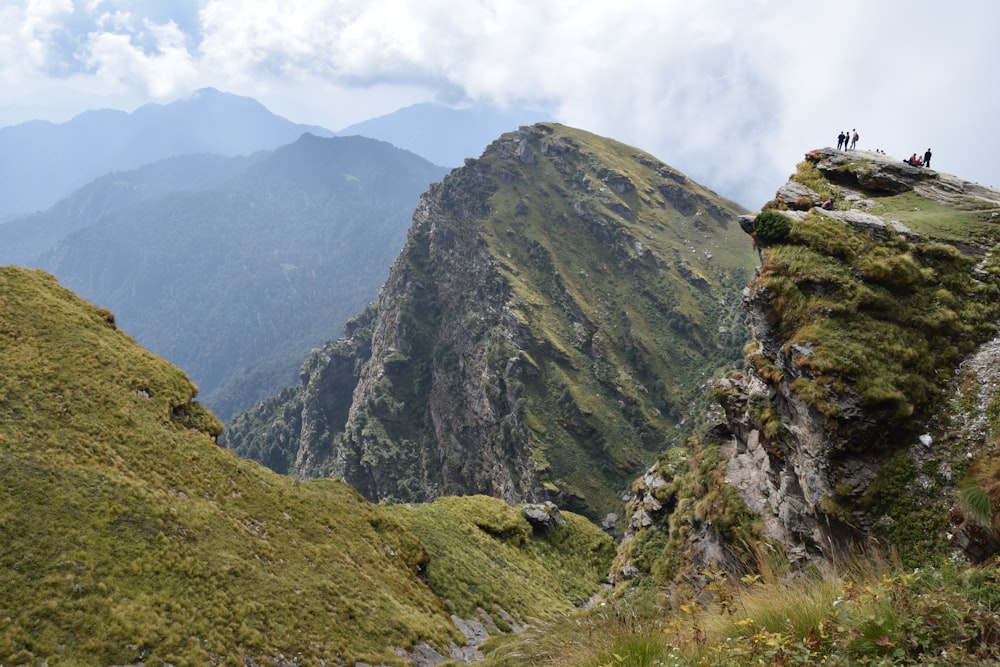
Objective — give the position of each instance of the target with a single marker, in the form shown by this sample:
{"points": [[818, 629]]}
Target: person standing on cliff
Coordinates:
{"points": [[840, 141], [927, 158], [854, 140]]}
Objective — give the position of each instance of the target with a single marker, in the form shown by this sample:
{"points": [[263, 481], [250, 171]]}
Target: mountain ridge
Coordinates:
{"points": [[43, 161], [227, 275]]}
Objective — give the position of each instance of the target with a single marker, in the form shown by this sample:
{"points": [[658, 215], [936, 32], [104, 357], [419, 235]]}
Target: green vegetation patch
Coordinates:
{"points": [[130, 537], [884, 319], [860, 613], [483, 554], [771, 227], [968, 220]]}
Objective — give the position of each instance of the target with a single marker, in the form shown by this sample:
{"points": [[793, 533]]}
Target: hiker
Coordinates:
{"points": [[854, 140], [847, 139], [913, 160], [840, 140], [927, 158]]}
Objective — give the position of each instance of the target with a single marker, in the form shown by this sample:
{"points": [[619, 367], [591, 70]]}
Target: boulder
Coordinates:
{"points": [[543, 517]]}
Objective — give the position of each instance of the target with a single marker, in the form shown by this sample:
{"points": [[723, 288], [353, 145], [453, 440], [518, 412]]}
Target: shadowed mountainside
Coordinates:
{"points": [[234, 268]]}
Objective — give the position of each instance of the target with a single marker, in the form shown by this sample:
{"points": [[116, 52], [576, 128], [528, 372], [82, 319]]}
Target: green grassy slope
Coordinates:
{"points": [[486, 555], [127, 535]]}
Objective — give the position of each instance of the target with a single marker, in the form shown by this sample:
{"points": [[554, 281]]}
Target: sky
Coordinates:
{"points": [[731, 92]]}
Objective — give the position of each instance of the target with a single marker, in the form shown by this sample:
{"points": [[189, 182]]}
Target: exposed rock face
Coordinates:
{"points": [[421, 426], [809, 466], [557, 306]]}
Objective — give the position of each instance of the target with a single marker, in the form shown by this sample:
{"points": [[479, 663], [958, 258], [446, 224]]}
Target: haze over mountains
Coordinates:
{"points": [[224, 252], [40, 162], [228, 280]]}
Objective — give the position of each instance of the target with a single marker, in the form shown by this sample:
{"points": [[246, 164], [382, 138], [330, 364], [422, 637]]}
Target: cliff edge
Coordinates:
{"points": [[866, 411]]}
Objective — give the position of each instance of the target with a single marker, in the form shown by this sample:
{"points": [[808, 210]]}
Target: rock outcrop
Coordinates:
{"points": [[819, 425], [863, 414]]}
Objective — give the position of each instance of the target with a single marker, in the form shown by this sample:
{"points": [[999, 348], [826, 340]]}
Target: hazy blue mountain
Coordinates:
{"points": [[24, 239], [40, 162], [441, 134], [235, 278]]}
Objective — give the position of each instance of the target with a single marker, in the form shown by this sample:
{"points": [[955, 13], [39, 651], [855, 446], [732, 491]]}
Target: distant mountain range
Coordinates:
{"points": [[246, 263], [179, 216], [41, 162]]}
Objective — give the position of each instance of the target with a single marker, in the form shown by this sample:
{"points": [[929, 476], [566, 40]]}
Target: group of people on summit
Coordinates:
{"points": [[848, 140], [917, 161]]}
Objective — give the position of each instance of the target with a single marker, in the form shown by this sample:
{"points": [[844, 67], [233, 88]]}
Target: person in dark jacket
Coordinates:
{"points": [[927, 158]]}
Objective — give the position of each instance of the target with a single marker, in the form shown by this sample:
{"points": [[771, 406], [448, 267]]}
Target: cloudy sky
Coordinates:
{"points": [[732, 92]]}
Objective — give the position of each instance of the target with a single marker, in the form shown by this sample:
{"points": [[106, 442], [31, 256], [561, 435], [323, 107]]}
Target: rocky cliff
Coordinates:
{"points": [[867, 409], [558, 306]]}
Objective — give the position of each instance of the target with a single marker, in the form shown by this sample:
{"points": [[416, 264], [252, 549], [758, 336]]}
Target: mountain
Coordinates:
{"points": [[27, 238], [41, 162], [441, 134], [865, 417], [130, 537], [234, 268], [558, 305]]}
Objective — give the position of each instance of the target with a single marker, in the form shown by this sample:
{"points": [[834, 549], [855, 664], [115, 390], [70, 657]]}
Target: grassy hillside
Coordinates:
{"points": [[129, 536], [627, 277], [484, 555]]}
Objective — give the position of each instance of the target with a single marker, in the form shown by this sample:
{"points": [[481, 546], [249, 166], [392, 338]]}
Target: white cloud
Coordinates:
{"points": [[40, 26], [119, 60], [733, 93]]}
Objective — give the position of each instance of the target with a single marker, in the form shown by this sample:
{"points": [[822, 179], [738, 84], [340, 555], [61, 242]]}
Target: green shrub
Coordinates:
{"points": [[771, 227]]}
